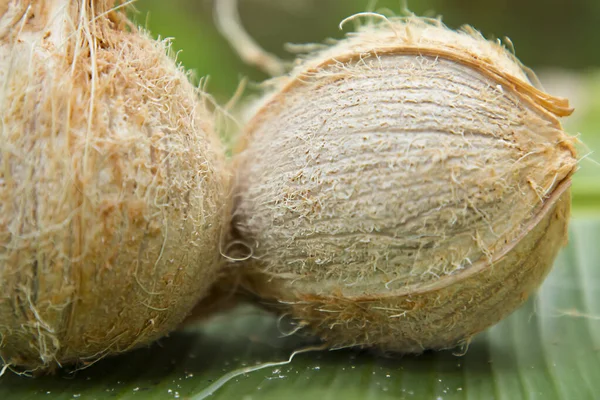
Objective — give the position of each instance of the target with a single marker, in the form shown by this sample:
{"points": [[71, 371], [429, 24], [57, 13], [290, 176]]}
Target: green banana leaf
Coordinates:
{"points": [[548, 349]]}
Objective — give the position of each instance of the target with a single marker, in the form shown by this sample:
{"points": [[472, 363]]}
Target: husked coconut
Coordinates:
{"points": [[404, 189], [112, 185]]}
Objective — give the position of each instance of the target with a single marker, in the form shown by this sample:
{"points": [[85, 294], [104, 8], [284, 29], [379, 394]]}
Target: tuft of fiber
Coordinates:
{"points": [[404, 189], [113, 185]]}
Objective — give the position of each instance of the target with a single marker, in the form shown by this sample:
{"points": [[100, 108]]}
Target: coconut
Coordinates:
{"points": [[112, 187], [403, 189]]}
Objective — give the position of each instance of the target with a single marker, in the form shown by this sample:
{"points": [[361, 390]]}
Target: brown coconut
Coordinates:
{"points": [[403, 189], [112, 185]]}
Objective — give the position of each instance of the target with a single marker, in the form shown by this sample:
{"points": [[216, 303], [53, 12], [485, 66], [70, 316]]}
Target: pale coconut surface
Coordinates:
{"points": [[112, 196], [403, 159], [440, 315]]}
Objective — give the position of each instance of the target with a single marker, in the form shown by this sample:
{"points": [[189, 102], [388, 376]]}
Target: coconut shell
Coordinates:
{"points": [[404, 189], [112, 188]]}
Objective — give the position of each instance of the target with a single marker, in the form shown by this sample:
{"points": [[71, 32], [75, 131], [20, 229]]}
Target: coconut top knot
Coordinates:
{"points": [[59, 20]]}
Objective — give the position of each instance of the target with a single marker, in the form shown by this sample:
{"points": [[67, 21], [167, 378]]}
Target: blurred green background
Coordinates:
{"points": [[546, 33], [557, 38]]}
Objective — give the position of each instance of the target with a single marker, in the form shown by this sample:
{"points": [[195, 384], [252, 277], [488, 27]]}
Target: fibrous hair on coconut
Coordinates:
{"points": [[112, 185], [403, 189]]}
